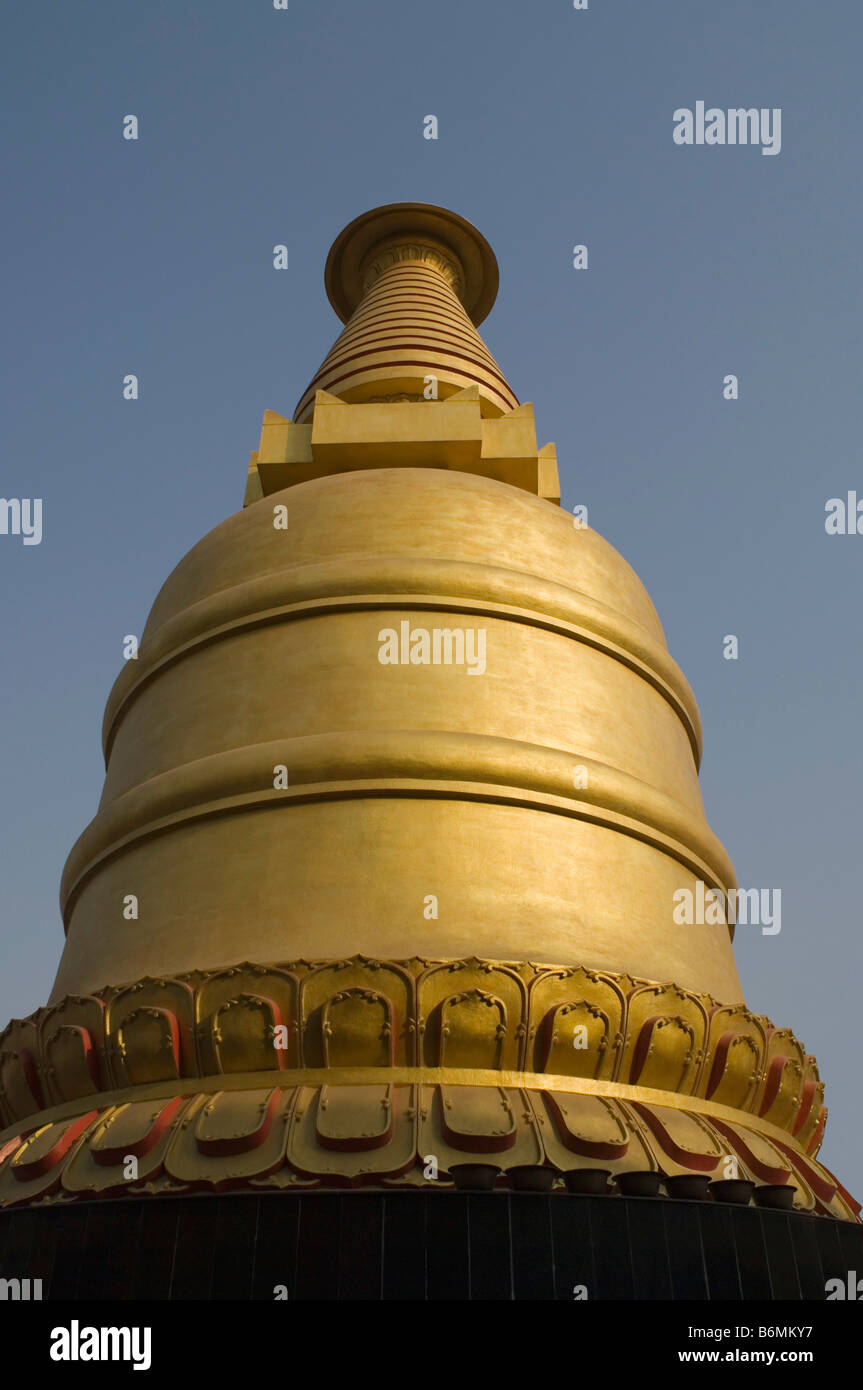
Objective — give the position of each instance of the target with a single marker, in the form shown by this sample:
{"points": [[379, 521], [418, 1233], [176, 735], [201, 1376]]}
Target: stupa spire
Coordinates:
{"points": [[411, 282], [401, 795]]}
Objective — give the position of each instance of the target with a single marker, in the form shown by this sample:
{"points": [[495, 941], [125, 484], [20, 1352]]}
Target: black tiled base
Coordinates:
{"points": [[440, 1245]]}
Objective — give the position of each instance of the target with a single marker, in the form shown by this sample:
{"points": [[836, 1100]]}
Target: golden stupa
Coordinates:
{"points": [[400, 790]]}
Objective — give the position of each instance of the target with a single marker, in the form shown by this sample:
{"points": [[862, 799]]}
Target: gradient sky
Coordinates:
{"points": [[260, 127]]}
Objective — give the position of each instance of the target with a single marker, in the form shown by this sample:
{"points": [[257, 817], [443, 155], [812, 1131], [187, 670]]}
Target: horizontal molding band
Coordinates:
{"points": [[408, 584], [401, 763], [394, 310], [405, 336], [413, 312], [389, 371], [325, 381], [410, 291], [380, 325], [413, 277], [436, 346], [379, 330], [408, 309], [398, 1076]]}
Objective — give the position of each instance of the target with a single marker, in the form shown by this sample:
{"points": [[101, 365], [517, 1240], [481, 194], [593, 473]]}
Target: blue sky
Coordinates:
{"points": [[555, 127]]}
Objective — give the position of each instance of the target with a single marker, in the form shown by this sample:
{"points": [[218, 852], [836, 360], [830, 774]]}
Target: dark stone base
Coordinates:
{"points": [[424, 1245]]}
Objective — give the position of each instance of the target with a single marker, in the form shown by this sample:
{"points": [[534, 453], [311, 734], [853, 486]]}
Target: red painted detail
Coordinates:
{"points": [[25, 1172], [642, 1046], [10, 1145], [815, 1142], [806, 1099], [357, 1143], [243, 1143], [773, 1082], [765, 1171], [586, 1147], [91, 1057], [701, 1162], [820, 1186], [113, 1154], [31, 1074], [723, 1047]]}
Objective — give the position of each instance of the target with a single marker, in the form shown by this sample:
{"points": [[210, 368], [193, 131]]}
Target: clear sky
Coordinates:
{"points": [[260, 127]]}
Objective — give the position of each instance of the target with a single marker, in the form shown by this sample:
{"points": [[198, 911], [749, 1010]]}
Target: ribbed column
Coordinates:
{"points": [[406, 300]]}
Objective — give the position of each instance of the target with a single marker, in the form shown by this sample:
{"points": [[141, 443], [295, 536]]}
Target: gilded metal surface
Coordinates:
{"points": [[544, 806], [457, 243], [535, 1024], [449, 433], [352, 1128], [565, 774], [409, 330]]}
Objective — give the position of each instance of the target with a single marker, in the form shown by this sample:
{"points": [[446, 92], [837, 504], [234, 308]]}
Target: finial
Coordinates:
{"points": [[411, 231]]}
